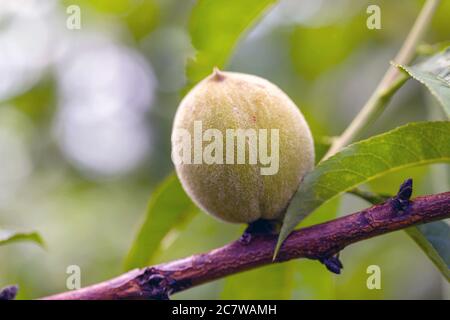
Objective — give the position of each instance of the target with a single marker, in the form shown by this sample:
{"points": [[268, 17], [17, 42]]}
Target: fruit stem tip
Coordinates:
{"points": [[217, 75]]}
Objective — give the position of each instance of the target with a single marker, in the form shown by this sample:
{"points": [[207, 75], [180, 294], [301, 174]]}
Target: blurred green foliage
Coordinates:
{"points": [[9, 236], [232, 18], [316, 50], [169, 208], [320, 53]]}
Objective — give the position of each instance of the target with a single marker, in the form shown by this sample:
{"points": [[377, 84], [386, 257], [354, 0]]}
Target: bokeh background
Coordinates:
{"points": [[85, 120]]}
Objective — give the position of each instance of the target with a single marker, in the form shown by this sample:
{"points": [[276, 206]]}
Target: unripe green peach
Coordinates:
{"points": [[241, 193]]}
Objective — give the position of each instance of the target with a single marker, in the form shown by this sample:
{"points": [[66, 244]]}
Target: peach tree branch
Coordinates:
{"points": [[318, 242]]}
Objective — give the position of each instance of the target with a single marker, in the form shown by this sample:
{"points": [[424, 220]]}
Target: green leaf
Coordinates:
{"points": [[142, 18], [215, 27], [410, 145], [168, 208], [434, 240], [434, 73], [9, 236]]}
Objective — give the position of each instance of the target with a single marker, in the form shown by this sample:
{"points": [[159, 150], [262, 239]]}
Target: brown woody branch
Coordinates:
{"points": [[315, 242]]}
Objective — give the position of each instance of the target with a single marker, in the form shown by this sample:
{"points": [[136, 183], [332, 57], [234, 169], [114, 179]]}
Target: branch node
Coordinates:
{"points": [[258, 227], [400, 202], [332, 263], [155, 284], [9, 292]]}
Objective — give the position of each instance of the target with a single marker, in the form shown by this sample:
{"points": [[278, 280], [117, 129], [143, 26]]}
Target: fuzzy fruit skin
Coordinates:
{"points": [[238, 193]]}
